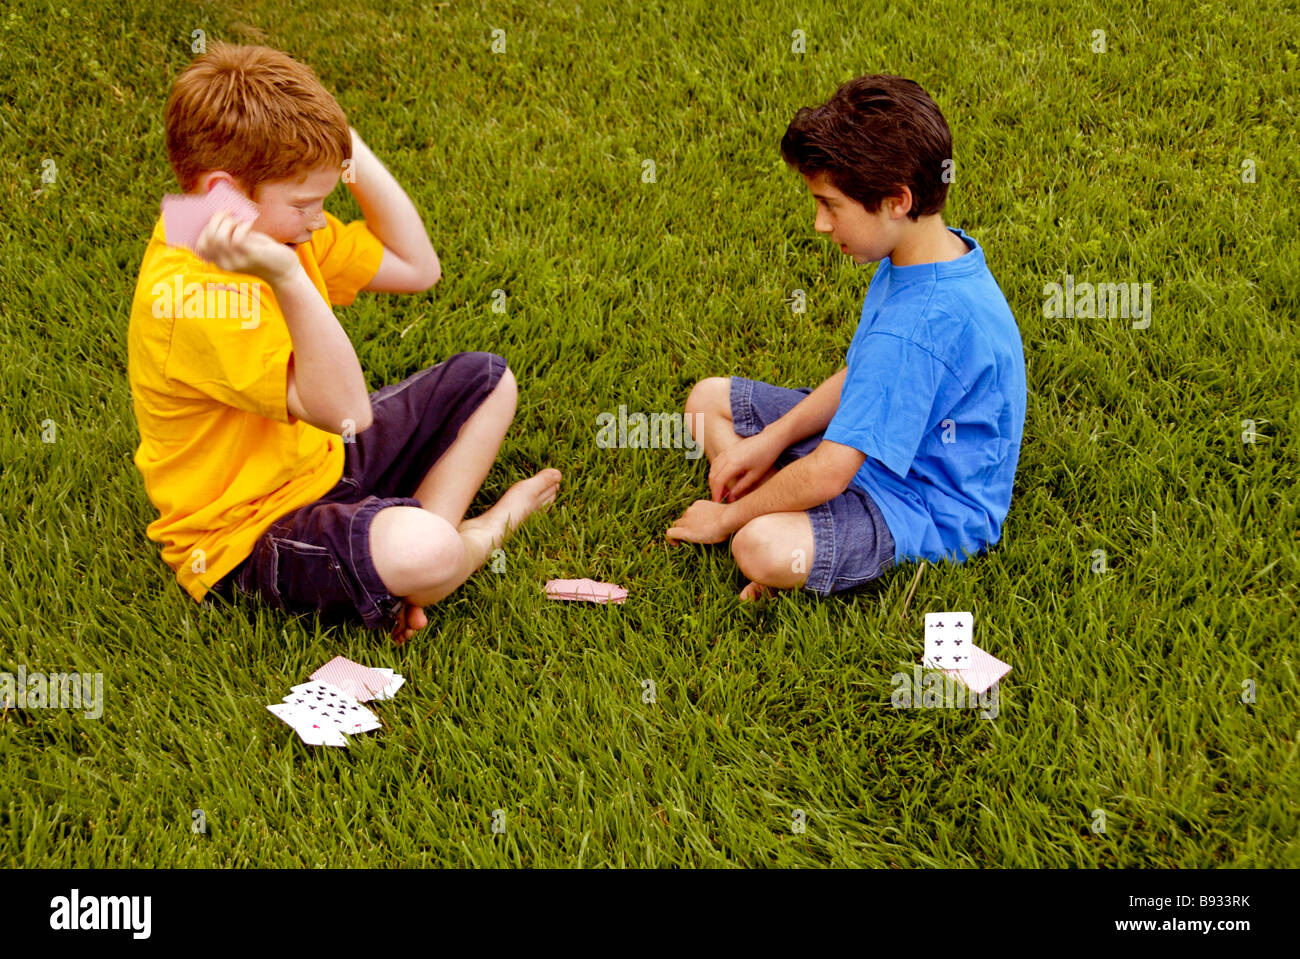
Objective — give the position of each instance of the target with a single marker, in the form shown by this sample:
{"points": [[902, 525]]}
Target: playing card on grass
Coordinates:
{"points": [[585, 590], [312, 730], [985, 670], [394, 682], [330, 703], [359, 682], [948, 641], [186, 214]]}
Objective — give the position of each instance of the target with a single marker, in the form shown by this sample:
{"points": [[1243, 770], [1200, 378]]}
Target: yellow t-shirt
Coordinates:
{"points": [[208, 362]]}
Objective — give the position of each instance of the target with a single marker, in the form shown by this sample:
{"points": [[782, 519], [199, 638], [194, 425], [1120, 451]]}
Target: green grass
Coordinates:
{"points": [[1125, 694]]}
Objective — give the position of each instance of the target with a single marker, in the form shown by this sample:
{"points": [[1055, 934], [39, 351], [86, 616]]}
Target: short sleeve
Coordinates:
{"points": [[240, 359], [348, 257], [885, 405]]}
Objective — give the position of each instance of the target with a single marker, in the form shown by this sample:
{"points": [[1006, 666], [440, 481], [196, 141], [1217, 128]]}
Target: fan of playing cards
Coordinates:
{"points": [[949, 646], [186, 214], [325, 711]]}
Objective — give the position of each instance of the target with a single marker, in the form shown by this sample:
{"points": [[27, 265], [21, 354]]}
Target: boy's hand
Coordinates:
{"points": [[740, 466], [237, 248], [703, 522]]}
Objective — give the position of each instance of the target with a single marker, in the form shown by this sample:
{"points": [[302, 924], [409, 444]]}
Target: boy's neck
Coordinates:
{"points": [[928, 240]]}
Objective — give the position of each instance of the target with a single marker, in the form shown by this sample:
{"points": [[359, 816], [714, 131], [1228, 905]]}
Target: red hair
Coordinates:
{"points": [[255, 113]]}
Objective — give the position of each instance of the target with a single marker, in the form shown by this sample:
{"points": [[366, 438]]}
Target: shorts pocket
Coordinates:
{"points": [[308, 577]]}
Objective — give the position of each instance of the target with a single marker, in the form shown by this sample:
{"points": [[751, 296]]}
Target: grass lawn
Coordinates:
{"points": [[1127, 692]]}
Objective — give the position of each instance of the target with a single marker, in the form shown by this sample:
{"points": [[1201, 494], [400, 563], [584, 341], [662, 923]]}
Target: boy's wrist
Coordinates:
{"points": [[737, 514], [780, 434], [285, 275]]}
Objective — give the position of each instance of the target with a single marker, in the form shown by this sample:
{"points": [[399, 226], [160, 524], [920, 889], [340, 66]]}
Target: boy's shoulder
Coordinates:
{"points": [[954, 309], [173, 283]]}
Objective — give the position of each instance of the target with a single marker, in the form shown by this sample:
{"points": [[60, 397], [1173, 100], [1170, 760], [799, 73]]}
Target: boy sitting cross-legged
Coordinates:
{"points": [[273, 470], [909, 451]]}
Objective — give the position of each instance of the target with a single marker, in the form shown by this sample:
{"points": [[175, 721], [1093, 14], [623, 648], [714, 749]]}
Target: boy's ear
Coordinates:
{"points": [[210, 178], [900, 204]]}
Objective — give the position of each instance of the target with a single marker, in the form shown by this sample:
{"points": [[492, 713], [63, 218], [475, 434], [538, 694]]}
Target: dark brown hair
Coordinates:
{"points": [[875, 134], [255, 113]]}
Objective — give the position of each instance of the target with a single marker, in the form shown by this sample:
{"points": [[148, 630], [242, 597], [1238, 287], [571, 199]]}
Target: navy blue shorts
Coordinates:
{"points": [[317, 557], [851, 543]]}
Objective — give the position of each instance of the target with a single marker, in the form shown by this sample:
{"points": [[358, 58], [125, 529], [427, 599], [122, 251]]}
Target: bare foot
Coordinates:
{"points": [[409, 622], [756, 591], [519, 502]]}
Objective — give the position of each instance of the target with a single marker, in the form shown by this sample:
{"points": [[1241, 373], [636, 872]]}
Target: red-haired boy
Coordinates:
{"points": [[274, 471]]}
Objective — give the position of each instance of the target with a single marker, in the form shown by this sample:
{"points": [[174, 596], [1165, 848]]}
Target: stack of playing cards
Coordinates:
{"points": [[186, 214], [360, 682], [326, 710], [949, 646], [585, 590]]}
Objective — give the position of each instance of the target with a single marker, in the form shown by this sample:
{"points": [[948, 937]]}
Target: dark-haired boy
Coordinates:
{"points": [[909, 451]]}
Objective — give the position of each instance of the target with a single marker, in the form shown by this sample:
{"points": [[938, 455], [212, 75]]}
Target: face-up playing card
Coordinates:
{"points": [[948, 640], [311, 729], [333, 705], [186, 214]]}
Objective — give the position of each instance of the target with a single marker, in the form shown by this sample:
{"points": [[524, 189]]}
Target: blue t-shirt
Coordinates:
{"points": [[935, 397]]}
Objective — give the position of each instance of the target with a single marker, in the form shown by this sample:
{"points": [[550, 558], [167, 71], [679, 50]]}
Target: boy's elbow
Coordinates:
{"points": [[430, 275], [834, 486], [364, 418], [836, 465], [835, 481]]}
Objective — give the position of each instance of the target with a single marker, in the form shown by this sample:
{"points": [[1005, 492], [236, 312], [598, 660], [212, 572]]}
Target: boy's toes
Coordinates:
{"points": [[417, 619], [409, 621]]}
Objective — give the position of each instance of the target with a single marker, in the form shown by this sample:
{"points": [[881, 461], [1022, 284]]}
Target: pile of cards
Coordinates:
{"points": [[325, 711], [186, 214], [360, 682], [587, 590], [949, 646]]}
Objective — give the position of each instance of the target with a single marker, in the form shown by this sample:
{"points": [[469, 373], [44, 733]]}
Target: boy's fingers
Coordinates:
{"points": [[208, 231], [742, 483], [217, 222], [215, 231], [718, 484]]}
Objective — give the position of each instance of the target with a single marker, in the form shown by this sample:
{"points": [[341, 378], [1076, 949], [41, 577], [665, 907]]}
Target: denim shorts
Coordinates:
{"points": [[317, 557], [851, 543]]}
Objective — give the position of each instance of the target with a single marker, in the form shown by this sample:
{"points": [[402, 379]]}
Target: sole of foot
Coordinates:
{"points": [[756, 591]]}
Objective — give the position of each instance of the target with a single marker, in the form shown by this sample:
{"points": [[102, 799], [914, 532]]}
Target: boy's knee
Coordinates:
{"points": [[472, 362], [758, 552], [507, 386], [711, 395], [413, 549]]}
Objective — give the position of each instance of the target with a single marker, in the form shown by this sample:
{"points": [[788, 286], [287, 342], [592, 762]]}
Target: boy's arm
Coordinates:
{"points": [[812, 414], [743, 464], [410, 264], [807, 482], [325, 385]]}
